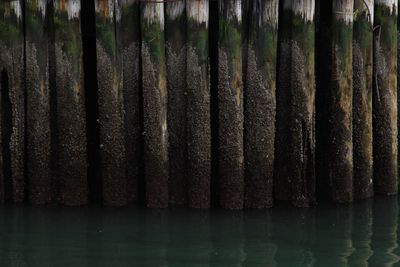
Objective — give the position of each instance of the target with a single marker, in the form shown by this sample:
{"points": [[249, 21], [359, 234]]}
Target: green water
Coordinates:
{"points": [[364, 234]]}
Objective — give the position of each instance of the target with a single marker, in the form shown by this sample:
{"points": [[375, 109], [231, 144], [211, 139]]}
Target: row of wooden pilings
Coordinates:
{"points": [[232, 103]]}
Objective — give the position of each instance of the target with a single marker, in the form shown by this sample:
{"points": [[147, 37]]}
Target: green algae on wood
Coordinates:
{"points": [[362, 98], [385, 98], [198, 104], [259, 112], [128, 43], [111, 117], [334, 93], [71, 153], [154, 105], [294, 178], [12, 187], [38, 133], [230, 102], [175, 38]]}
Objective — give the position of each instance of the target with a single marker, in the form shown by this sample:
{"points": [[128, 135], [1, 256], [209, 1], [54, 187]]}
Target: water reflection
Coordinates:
{"points": [[360, 235]]}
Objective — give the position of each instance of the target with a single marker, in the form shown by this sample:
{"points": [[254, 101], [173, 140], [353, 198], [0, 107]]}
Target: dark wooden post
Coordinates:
{"points": [[334, 97], [362, 98], [12, 101], [175, 33], [230, 97], [295, 145], [259, 125], [199, 105], [385, 98], [128, 38], [154, 104], [111, 118], [71, 125], [38, 101]]}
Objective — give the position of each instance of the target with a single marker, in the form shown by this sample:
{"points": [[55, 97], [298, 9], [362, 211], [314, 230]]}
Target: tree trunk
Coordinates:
{"points": [[12, 102], [199, 105], [38, 131], [385, 98], [260, 104], [111, 118], [362, 98], [335, 147], [128, 38], [230, 97], [71, 151], [175, 33], [295, 147], [155, 97]]}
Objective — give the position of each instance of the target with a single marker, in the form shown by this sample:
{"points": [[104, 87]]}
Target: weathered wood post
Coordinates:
{"points": [[362, 98], [334, 95], [128, 38], [230, 99], [385, 98], [111, 117], [38, 132], [12, 102], [175, 33], [154, 104], [259, 124], [295, 143], [198, 104], [66, 50]]}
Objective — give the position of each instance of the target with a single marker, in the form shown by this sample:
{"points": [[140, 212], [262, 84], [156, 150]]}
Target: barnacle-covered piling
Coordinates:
{"points": [[111, 118], [334, 96], [72, 184], [12, 180], [128, 37], [154, 104], [362, 98], [260, 104], [385, 98], [175, 34], [230, 100], [295, 145], [198, 104], [38, 101]]}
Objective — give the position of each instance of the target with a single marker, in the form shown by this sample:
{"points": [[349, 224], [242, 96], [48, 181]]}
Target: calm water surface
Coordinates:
{"points": [[364, 234]]}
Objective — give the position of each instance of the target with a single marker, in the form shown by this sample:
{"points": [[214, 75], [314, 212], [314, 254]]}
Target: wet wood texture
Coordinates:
{"points": [[301, 104], [198, 104], [230, 101], [385, 98], [260, 103], [71, 163], [155, 99]]}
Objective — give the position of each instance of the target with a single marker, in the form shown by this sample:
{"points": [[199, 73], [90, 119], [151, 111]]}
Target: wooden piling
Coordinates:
{"points": [[155, 97], [260, 104], [175, 34], [66, 50], [385, 98], [198, 104], [334, 95], [230, 99], [362, 98], [295, 144], [38, 101], [12, 102], [128, 38], [111, 116]]}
